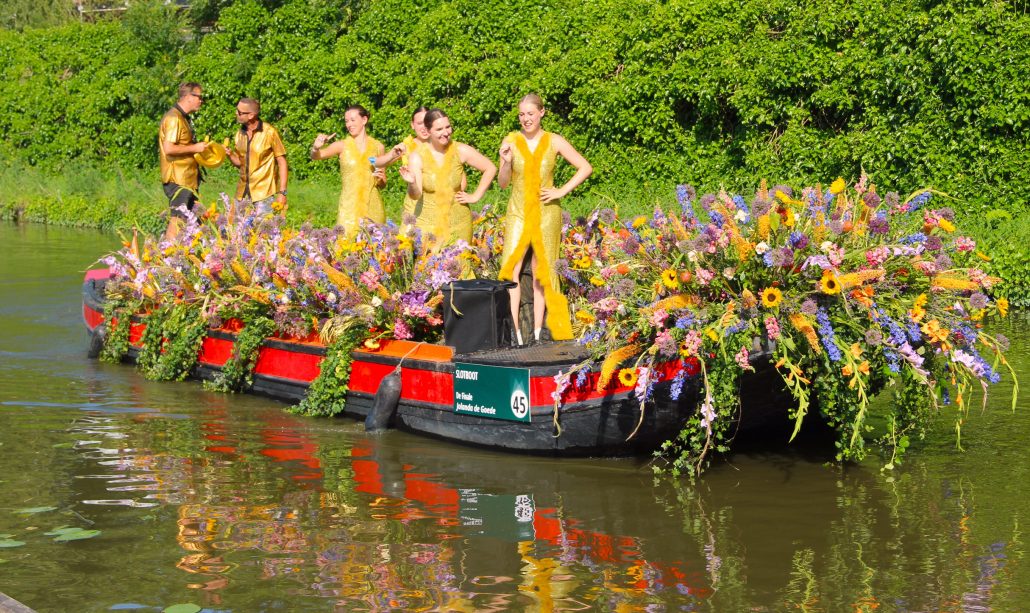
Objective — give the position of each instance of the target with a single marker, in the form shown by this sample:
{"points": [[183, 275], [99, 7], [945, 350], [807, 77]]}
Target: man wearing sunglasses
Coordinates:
{"points": [[259, 153], [177, 144]]}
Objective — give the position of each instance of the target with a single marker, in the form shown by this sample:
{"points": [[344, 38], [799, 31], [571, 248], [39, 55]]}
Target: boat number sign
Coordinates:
{"points": [[498, 392]]}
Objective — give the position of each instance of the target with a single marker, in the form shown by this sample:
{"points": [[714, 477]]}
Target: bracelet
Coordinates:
{"points": [[283, 192]]}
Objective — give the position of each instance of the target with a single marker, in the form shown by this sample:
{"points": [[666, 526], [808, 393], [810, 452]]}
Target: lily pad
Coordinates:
{"points": [[32, 510], [77, 534], [8, 543], [188, 607], [61, 530]]}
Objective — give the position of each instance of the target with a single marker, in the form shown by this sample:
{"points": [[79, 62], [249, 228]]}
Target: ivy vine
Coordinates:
{"points": [[118, 318], [237, 373], [327, 394]]}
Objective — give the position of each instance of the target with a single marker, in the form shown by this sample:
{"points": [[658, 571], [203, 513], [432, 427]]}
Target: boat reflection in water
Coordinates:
{"points": [[386, 526]]}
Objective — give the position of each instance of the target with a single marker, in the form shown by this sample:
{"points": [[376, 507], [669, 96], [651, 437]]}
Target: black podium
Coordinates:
{"points": [[477, 315]]}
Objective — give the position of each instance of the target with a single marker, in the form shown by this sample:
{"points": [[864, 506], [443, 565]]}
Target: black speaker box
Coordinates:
{"points": [[477, 315]]}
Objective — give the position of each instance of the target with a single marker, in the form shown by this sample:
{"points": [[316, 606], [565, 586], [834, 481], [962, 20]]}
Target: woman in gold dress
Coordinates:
{"points": [[435, 174], [533, 221], [359, 198]]}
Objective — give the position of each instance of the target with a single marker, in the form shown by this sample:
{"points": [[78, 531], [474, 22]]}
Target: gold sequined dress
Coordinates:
{"points": [[532, 224], [436, 212], [360, 196]]}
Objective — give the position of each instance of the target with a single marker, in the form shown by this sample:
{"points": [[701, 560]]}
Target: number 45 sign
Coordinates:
{"points": [[498, 392]]}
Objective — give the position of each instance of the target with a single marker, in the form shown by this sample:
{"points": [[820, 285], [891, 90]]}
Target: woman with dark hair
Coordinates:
{"points": [[434, 174], [533, 222], [359, 197]]}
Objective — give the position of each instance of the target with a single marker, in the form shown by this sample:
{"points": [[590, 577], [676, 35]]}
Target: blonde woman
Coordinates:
{"points": [[533, 221], [435, 174], [359, 197]]}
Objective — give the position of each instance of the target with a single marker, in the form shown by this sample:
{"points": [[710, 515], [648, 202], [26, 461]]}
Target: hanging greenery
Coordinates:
{"points": [[237, 373]]}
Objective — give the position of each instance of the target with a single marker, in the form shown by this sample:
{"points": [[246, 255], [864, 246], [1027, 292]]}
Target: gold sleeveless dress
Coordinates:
{"points": [[436, 212], [530, 224], [412, 145], [359, 197]]}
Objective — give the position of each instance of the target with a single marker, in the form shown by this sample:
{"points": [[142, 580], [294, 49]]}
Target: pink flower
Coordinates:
{"points": [[964, 243], [742, 359], [401, 330], [658, 318], [772, 327], [369, 278]]}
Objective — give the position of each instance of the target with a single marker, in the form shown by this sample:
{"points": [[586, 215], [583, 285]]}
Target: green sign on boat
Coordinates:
{"points": [[497, 392]]}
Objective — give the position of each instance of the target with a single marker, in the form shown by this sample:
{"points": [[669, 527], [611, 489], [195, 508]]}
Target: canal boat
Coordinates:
{"points": [[503, 399]]}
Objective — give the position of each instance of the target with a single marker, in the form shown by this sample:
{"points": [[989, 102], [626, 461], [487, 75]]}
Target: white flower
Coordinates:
{"points": [[741, 216], [377, 301], [761, 247], [692, 256], [331, 298], [826, 246]]}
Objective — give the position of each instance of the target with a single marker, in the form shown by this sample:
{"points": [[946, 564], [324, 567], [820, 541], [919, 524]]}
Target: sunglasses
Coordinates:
{"points": [[198, 96], [239, 112]]}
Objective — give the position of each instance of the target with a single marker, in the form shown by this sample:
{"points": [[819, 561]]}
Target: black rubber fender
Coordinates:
{"points": [[387, 398], [96, 341]]}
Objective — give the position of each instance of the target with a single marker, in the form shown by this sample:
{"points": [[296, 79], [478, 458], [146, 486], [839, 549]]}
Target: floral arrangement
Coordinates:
{"points": [[236, 270], [843, 293]]}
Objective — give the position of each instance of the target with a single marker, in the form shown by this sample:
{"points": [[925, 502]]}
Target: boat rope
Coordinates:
{"points": [[411, 351]]}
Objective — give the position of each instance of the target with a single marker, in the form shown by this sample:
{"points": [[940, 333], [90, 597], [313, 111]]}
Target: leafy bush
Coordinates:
{"points": [[717, 93]]}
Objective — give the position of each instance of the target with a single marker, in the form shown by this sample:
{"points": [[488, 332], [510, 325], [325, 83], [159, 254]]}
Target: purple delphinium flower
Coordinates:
{"points": [[827, 335]]}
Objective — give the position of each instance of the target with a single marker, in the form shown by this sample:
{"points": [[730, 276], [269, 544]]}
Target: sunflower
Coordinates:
{"points": [[829, 283], [670, 278], [628, 377], [1003, 306], [771, 297], [639, 221], [837, 186]]}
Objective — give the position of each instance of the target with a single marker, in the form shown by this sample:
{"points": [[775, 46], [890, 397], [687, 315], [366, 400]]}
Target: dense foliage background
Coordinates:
{"points": [[714, 92]]}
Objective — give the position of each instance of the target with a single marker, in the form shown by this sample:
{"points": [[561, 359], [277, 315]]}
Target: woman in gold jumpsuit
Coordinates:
{"points": [[533, 221], [359, 197], [434, 174]]}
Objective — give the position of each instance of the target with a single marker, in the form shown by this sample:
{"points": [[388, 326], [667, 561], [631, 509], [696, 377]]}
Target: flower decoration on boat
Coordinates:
{"points": [[845, 294]]}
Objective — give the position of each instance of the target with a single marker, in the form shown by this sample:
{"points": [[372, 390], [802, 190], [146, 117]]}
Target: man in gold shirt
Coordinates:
{"points": [[259, 153], [176, 146]]}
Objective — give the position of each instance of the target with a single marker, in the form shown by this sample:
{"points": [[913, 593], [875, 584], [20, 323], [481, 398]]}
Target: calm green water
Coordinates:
{"points": [[232, 504]]}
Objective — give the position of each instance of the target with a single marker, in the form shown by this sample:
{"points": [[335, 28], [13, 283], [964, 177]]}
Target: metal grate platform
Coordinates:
{"points": [[539, 354]]}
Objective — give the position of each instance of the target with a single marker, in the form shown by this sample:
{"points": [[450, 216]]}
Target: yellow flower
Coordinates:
{"points": [[597, 281], [946, 225], [934, 332], [1003, 306], [670, 278], [837, 186], [372, 344], [829, 283], [639, 221], [983, 256], [856, 350], [585, 317], [583, 262], [782, 197], [712, 335], [628, 377], [771, 297]]}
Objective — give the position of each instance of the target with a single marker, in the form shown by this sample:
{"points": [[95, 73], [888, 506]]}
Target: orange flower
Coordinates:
{"points": [[864, 367], [622, 269]]}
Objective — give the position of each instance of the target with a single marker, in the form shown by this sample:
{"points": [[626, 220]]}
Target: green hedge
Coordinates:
{"points": [[711, 92]]}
